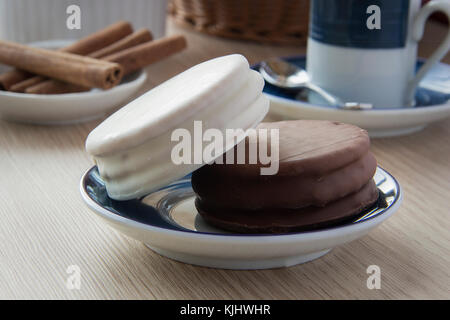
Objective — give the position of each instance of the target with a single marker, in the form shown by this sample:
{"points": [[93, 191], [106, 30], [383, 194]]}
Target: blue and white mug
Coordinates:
{"points": [[366, 50]]}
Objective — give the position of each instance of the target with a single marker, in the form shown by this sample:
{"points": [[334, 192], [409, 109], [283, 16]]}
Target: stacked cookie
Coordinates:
{"points": [[324, 177], [323, 173]]}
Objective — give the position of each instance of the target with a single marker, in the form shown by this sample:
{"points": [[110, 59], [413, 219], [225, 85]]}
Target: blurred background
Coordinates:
{"points": [[39, 20], [282, 22]]}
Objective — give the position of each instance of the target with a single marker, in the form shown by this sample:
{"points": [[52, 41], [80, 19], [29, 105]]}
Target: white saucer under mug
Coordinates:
{"points": [[431, 105]]}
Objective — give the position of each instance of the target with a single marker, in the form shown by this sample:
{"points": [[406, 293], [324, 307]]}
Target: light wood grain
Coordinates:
{"points": [[45, 226]]}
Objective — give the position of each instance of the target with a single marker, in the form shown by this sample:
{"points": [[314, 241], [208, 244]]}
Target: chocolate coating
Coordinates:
{"points": [[320, 162], [312, 147], [290, 220], [228, 191]]}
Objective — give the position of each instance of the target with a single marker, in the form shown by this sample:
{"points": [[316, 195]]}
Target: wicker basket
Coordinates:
{"points": [[266, 21]]}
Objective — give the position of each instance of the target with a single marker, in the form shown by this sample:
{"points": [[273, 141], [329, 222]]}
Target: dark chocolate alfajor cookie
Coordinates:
{"points": [[325, 173], [290, 220], [319, 162]]}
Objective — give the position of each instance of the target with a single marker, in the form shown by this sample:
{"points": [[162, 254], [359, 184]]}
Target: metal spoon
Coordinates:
{"points": [[287, 75]]}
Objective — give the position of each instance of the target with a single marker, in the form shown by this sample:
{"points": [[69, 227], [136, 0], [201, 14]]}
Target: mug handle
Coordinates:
{"points": [[417, 34]]}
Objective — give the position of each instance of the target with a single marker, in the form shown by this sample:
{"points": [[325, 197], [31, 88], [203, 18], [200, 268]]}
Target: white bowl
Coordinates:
{"points": [[67, 108]]}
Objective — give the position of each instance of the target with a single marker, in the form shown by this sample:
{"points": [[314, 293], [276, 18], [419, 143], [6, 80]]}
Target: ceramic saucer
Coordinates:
{"points": [[67, 108], [168, 223], [432, 104]]}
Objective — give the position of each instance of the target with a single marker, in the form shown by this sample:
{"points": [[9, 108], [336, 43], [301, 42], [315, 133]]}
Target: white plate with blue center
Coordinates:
{"points": [[432, 104], [168, 223]]}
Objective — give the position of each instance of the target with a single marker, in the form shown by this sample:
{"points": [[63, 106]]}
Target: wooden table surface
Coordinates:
{"points": [[46, 227]]}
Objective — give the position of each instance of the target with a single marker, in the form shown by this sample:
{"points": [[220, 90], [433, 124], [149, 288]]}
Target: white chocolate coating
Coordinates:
{"points": [[132, 148]]}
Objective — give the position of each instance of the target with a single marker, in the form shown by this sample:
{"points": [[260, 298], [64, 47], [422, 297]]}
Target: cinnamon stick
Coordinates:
{"points": [[131, 60], [137, 57], [134, 39], [100, 39], [84, 46], [9, 78], [68, 67], [138, 37]]}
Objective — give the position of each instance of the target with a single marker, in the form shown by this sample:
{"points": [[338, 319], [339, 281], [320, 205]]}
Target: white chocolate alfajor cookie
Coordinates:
{"points": [[133, 147]]}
